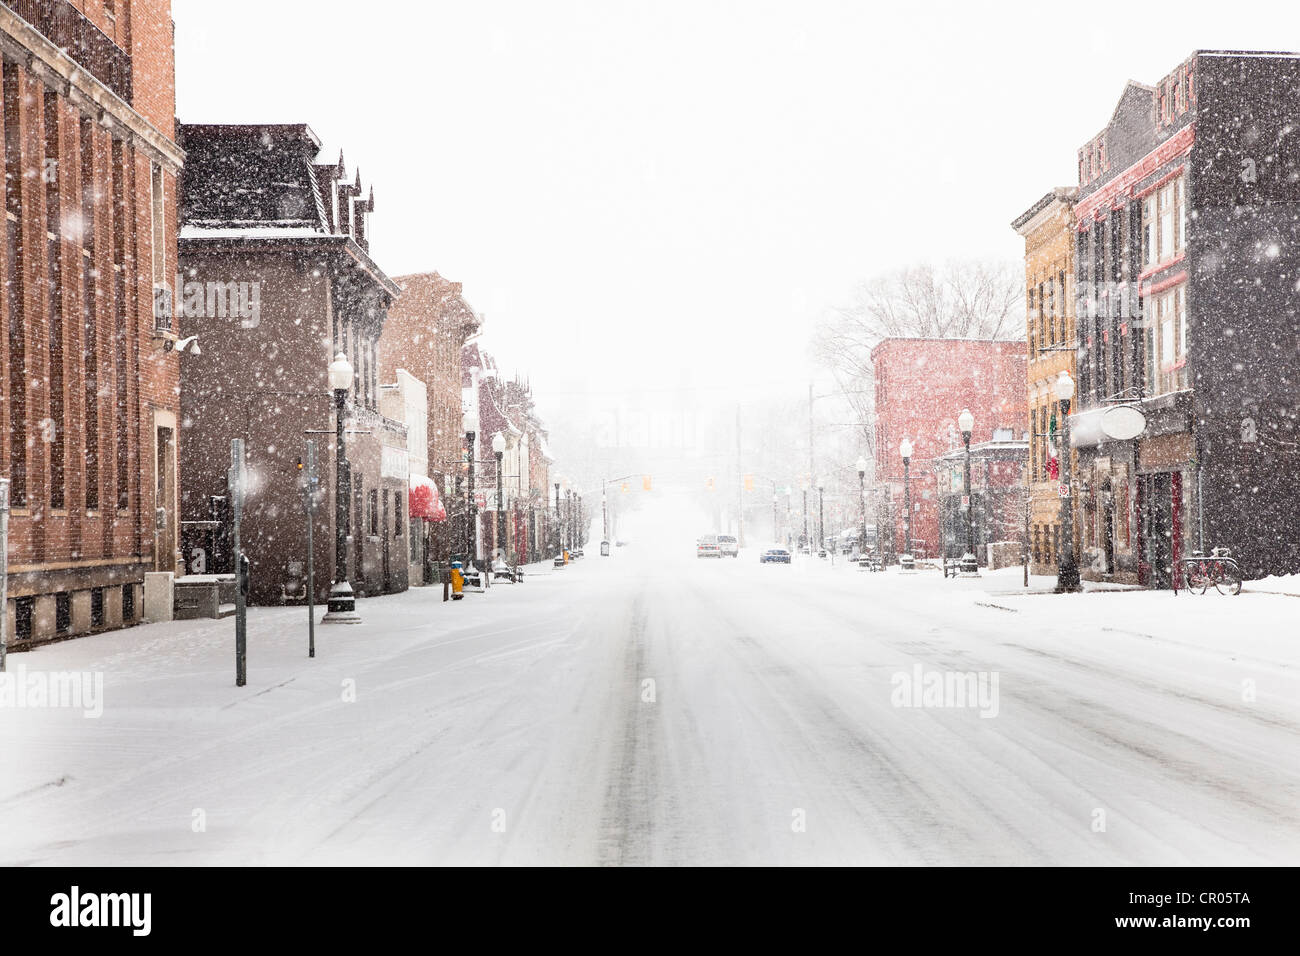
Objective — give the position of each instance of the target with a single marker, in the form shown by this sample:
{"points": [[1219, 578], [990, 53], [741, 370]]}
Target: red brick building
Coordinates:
{"points": [[921, 386], [426, 328], [90, 395]]}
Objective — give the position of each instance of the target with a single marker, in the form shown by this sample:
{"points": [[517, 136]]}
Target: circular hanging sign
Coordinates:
{"points": [[1123, 422]]}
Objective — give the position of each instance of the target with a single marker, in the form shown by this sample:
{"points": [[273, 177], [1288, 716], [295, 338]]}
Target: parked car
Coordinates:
{"points": [[707, 547], [774, 555], [728, 545]]}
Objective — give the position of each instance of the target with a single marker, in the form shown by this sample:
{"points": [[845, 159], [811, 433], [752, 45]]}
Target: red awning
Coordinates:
{"points": [[425, 500]]}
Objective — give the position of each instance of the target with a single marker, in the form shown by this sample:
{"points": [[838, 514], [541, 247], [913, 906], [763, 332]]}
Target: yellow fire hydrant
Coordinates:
{"points": [[457, 583]]}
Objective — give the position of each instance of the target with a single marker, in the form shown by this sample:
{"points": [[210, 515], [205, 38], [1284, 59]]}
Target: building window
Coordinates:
{"points": [[128, 603], [62, 612], [96, 607], [1166, 342], [24, 614], [373, 504], [158, 220], [1164, 217], [397, 514], [90, 316], [14, 287], [54, 291]]}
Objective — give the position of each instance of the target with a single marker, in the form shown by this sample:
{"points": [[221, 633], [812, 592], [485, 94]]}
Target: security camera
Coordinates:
{"points": [[190, 345]]}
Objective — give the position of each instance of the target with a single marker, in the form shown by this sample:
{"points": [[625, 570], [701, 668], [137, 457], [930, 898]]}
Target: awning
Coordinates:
{"points": [[425, 500]]}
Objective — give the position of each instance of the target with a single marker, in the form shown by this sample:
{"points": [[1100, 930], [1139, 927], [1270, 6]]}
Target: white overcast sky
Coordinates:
{"points": [[646, 193]]}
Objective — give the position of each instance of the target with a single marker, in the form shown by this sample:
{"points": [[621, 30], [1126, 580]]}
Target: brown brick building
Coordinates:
{"points": [[423, 335], [276, 278], [90, 393]]}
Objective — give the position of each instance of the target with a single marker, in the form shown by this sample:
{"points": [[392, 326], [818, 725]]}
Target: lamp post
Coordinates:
{"points": [[803, 486], [862, 504], [969, 563], [471, 509], [559, 544], [571, 522], [907, 562], [342, 606], [821, 515], [1067, 571], [498, 451], [604, 517]]}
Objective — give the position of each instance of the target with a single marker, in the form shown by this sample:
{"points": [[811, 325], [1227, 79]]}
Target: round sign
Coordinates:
{"points": [[1123, 422]]}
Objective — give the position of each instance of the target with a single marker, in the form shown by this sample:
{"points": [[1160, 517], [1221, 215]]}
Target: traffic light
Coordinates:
{"points": [[749, 482], [623, 488], [645, 482], [708, 484]]}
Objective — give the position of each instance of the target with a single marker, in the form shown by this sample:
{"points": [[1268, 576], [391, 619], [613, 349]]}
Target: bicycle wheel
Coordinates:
{"points": [[1229, 581], [1197, 578]]}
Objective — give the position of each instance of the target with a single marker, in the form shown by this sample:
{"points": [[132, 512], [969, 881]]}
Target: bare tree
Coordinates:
{"points": [[966, 299]]}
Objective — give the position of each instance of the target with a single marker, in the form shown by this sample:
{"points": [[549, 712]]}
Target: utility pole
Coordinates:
{"points": [[812, 470]]}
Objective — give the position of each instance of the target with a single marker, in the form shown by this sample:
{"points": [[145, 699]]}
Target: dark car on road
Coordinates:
{"points": [[775, 555]]}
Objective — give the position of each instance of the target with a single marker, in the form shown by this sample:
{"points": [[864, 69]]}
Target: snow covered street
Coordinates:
{"points": [[653, 709]]}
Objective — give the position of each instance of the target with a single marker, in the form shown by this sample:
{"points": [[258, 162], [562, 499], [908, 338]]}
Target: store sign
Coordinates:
{"points": [[1123, 422]]}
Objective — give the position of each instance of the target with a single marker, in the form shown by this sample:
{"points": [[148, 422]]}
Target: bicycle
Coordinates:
{"points": [[1216, 570]]}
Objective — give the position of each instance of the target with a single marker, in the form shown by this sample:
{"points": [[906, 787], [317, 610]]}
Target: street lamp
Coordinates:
{"points": [[559, 544], [342, 606], [471, 509], [821, 515], [1067, 571], [907, 562], [969, 563], [803, 486], [499, 450], [862, 504]]}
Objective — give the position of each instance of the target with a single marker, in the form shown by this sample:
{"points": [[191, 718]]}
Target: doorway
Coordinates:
{"points": [[1108, 527], [386, 539], [1156, 528]]}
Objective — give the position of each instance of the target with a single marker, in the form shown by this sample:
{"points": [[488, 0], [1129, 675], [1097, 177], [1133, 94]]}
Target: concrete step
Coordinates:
{"points": [[226, 610]]}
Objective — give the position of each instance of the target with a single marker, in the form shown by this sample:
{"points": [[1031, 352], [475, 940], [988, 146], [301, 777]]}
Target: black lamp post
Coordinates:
{"points": [[559, 544], [471, 508], [498, 451], [862, 505], [1067, 571], [342, 606], [907, 562], [803, 486], [821, 515], [969, 563]]}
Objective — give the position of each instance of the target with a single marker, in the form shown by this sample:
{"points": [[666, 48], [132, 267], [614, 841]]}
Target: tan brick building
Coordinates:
{"points": [[90, 393], [1048, 229]]}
